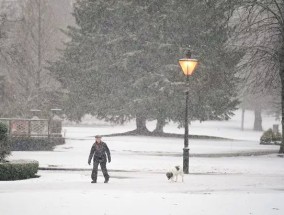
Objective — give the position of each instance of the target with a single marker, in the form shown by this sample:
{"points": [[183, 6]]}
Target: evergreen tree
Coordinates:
{"points": [[121, 61]]}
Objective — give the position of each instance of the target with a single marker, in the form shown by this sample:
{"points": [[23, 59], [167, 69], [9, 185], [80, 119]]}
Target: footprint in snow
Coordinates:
{"points": [[277, 209]]}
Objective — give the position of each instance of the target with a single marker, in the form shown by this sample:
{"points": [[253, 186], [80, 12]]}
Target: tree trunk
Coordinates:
{"points": [[141, 124], [243, 119], [38, 82], [281, 151], [281, 74], [161, 122], [257, 119]]}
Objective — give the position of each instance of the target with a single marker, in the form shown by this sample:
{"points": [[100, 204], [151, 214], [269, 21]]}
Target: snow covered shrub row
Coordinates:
{"points": [[4, 143], [270, 137], [35, 143], [17, 170]]}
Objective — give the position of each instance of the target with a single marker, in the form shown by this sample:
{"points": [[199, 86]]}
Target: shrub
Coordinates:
{"points": [[4, 143], [34, 143], [18, 170], [270, 137]]}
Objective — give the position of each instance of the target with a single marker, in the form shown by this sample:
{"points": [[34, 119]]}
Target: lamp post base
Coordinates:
{"points": [[185, 160]]}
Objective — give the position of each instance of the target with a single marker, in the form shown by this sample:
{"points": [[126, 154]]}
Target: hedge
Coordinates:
{"points": [[4, 143], [34, 143], [271, 138], [18, 170]]}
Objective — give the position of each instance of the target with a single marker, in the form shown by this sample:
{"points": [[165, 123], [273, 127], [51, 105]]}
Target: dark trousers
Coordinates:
{"points": [[95, 170]]}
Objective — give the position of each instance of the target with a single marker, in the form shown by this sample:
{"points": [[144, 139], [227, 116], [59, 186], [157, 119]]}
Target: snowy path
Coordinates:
{"points": [[145, 153], [139, 193], [219, 186], [150, 152]]}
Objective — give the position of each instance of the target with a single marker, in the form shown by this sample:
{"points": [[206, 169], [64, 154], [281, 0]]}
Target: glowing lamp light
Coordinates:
{"points": [[188, 65]]}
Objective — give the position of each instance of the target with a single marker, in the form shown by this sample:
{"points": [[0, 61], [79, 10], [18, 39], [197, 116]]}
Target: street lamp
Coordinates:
{"points": [[188, 65]]}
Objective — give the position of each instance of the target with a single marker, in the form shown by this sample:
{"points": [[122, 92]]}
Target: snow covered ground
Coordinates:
{"points": [[216, 185], [227, 129], [144, 193]]}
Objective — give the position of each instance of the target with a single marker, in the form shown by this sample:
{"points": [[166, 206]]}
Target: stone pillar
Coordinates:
{"points": [[2, 87]]}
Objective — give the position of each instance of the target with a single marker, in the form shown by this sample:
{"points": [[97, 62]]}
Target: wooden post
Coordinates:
{"points": [[243, 119], [29, 128], [10, 127], [275, 128]]}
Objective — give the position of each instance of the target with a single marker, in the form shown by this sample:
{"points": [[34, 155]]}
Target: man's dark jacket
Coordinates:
{"points": [[99, 152]]}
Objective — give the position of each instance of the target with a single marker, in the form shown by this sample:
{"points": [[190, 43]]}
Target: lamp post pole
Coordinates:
{"points": [[188, 66], [186, 149]]}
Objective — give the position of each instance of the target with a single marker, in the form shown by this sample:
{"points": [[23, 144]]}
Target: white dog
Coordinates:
{"points": [[174, 173]]}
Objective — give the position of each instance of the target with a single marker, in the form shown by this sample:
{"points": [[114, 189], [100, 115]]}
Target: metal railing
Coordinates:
{"points": [[33, 127]]}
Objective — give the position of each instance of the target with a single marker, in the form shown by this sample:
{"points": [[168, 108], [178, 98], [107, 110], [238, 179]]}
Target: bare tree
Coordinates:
{"points": [[259, 32], [32, 40]]}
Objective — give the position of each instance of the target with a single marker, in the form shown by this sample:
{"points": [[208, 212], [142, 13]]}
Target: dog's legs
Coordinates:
{"points": [[182, 177], [176, 178]]}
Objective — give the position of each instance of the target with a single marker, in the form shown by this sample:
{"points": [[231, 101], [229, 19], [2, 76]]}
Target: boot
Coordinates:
{"points": [[106, 179]]}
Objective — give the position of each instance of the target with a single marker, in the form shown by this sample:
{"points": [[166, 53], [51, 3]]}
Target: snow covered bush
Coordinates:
{"points": [[270, 137], [4, 143], [32, 144], [17, 170]]}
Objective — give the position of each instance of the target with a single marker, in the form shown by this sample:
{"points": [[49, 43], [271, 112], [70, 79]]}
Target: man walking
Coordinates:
{"points": [[98, 152]]}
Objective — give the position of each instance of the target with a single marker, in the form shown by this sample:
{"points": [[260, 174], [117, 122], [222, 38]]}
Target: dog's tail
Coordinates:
{"points": [[177, 168]]}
